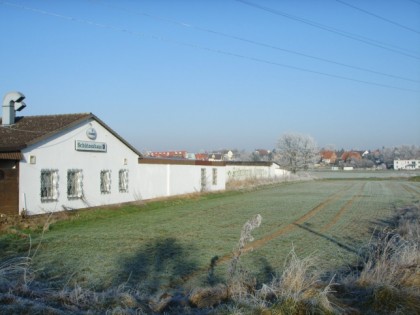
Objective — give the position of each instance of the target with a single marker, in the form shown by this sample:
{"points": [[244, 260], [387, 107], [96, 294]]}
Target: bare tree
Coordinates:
{"points": [[297, 151]]}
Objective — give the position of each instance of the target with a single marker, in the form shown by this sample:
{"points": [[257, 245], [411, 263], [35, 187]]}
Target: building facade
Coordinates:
{"points": [[66, 162], [406, 164], [55, 163]]}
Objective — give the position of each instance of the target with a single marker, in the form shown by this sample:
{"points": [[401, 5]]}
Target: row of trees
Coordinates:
{"points": [[299, 152]]}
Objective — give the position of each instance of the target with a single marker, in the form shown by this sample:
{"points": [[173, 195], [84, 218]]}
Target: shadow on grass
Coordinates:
{"points": [[266, 272], [338, 243], [160, 265], [13, 245]]}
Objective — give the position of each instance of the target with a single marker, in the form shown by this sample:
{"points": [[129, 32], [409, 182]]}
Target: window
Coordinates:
{"points": [[214, 178], [49, 185], [123, 180], [106, 182], [203, 179], [74, 184]]}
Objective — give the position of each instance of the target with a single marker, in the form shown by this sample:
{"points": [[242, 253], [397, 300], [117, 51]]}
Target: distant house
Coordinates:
{"points": [[263, 154], [181, 154], [202, 156], [228, 155], [328, 157], [215, 157], [223, 155], [351, 155], [406, 164]]}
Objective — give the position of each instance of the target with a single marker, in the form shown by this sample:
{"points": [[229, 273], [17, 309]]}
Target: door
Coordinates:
{"points": [[9, 190]]}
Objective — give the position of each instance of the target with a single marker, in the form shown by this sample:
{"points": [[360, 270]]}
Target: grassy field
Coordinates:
{"points": [[185, 243]]}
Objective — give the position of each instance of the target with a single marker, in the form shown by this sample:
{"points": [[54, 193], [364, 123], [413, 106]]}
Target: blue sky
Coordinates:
{"points": [[202, 75]]}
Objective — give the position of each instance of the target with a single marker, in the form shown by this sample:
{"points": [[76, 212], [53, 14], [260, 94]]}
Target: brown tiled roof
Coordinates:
{"points": [[351, 155], [328, 154], [32, 129]]}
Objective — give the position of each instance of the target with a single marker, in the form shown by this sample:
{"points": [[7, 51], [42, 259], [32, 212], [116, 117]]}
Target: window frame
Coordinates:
{"points": [[49, 185], [203, 179], [214, 176], [123, 180], [76, 184], [105, 182]]}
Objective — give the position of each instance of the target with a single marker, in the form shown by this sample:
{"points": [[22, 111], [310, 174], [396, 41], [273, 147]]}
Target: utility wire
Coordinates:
{"points": [[378, 16], [222, 52], [417, 2], [249, 41], [327, 28]]}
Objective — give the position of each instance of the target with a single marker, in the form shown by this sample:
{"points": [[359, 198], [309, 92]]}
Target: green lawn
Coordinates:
{"points": [[171, 243]]}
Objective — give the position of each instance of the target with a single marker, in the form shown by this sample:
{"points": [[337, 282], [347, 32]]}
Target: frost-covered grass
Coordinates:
{"points": [[363, 174], [181, 244]]}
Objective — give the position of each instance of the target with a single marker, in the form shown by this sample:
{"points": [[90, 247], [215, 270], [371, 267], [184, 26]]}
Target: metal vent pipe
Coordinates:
{"points": [[12, 102]]}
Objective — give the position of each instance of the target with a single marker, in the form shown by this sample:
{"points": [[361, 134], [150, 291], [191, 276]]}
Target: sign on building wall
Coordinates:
{"points": [[81, 145]]}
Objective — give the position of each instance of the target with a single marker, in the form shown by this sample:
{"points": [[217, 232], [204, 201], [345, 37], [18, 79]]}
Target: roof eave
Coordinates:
{"points": [[12, 148], [116, 135], [52, 133]]}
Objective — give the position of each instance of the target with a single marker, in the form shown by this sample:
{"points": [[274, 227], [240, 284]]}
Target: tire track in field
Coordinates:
{"points": [[343, 209], [218, 260], [288, 228], [410, 190]]}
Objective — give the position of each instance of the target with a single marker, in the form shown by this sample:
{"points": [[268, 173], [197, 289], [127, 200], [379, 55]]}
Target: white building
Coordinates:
{"points": [[63, 162], [406, 164], [60, 162]]}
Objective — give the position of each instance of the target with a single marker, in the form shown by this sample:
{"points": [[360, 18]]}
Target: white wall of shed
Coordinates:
{"points": [[164, 180]]}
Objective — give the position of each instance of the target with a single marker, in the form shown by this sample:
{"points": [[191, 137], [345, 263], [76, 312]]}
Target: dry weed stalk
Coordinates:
{"points": [[240, 282], [390, 273], [245, 238], [393, 259], [299, 287]]}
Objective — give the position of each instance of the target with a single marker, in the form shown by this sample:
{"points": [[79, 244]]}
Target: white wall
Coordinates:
{"points": [[406, 164], [242, 172], [58, 152], [163, 180]]}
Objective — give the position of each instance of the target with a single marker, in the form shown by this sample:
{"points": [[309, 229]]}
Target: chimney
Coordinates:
{"points": [[12, 102]]}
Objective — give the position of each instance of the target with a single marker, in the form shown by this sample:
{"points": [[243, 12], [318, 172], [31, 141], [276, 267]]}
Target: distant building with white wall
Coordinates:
{"points": [[242, 170], [406, 164]]}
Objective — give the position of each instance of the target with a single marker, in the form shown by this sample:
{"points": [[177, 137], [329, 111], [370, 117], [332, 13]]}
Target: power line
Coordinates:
{"points": [[249, 41], [417, 2], [327, 28], [378, 16], [222, 52]]}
